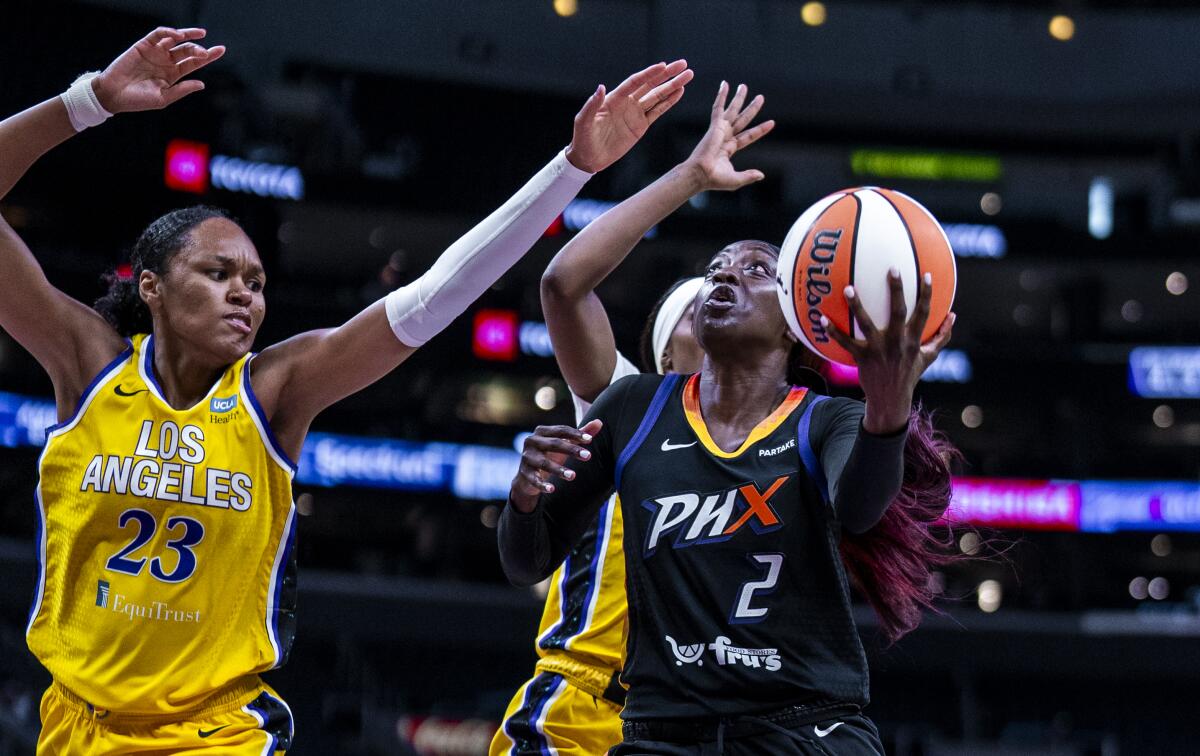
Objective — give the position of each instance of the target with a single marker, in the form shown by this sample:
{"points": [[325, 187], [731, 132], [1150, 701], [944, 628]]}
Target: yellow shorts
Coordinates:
{"points": [[249, 719], [550, 711]]}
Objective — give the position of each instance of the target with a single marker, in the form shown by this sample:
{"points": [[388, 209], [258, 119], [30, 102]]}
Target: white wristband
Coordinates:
{"points": [[83, 108], [418, 311]]}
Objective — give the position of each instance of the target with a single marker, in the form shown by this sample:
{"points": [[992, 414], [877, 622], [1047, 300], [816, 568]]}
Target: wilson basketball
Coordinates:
{"points": [[853, 237]]}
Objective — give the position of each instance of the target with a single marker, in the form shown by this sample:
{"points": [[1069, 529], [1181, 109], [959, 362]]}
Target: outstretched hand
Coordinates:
{"points": [[729, 130], [148, 75], [611, 123], [891, 360]]}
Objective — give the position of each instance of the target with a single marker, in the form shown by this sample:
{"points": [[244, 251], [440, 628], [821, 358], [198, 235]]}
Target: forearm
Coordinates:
{"points": [[534, 541], [472, 264], [870, 479], [597, 251], [27, 136], [527, 553]]}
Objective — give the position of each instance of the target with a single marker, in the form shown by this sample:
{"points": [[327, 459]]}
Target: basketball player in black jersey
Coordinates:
{"points": [[736, 487]]}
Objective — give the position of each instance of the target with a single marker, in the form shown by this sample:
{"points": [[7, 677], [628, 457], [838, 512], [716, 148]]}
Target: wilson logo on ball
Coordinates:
{"points": [[852, 238]]}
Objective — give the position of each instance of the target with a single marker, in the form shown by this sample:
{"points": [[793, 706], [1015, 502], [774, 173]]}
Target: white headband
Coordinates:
{"points": [[676, 304]]}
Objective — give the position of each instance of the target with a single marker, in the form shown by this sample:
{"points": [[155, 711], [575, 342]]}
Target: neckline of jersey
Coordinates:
{"points": [[145, 364], [765, 427]]}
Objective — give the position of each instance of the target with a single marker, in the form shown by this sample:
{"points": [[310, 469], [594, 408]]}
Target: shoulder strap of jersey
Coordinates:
{"points": [[807, 455], [652, 412]]}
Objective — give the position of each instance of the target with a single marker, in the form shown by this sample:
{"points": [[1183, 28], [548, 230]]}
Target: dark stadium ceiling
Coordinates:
{"points": [[982, 69]]}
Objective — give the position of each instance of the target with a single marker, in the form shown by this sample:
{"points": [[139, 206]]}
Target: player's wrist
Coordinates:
{"points": [[83, 102]]}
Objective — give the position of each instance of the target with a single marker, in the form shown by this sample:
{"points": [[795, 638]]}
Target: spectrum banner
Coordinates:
{"points": [[471, 471], [1151, 505]]}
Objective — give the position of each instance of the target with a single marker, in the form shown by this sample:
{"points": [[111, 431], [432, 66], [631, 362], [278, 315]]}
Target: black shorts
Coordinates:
{"points": [[848, 735]]}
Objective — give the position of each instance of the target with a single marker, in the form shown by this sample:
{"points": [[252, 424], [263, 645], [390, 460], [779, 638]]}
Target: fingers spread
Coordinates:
{"points": [[193, 64], [746, 116], [735, 105], [718, 108], [899, 311], [942, 337], [859, 313], [844, 340], [750, 136], [591, 107], [921, 313], [744, 178], [178, 91], [641, 82], [162, 33], [665, 90], [665, 105]]}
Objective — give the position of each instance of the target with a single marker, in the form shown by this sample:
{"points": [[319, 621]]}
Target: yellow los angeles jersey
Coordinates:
{"points": [[586, 609], [167, 560]]}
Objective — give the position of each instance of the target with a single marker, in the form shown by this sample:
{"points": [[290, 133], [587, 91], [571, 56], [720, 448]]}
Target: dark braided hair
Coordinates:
{"points": [[122, 304]]}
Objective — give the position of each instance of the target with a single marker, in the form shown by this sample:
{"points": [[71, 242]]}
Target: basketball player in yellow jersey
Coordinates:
{"points": [[166, 525], [573, 703]]}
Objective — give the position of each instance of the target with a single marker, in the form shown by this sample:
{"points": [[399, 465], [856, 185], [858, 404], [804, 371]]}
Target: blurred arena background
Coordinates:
{"points": [[1059, 142]]}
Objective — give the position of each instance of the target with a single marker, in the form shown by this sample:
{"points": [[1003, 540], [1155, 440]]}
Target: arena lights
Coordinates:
{"points": [[1165, 372], [978, 240], [813, 14], [990, 595], [1062, 28], [485, 472], [991, 203], [186, 166], [1177, 284], [190, 169], [499, 336], [1100, 208], [926, 166], [495, 335]]}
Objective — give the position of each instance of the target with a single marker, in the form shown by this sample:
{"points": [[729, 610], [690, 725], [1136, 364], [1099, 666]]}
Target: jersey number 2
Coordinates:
{"points": [[743, 613], [185, 565]]}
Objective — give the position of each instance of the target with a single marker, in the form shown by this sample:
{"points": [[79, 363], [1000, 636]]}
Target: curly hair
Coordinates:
{"points": [[122, 305]]}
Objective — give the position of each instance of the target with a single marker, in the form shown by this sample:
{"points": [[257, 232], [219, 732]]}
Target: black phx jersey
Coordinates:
{"points": [[738, 598]]}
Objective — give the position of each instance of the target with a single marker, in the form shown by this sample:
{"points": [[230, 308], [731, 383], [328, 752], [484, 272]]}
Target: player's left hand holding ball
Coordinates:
{"points": [[891, 360], [150, 75]]}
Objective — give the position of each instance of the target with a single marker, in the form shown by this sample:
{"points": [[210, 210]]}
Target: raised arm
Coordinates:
{"points": [[579, 328], [67, 338], [299, 377]]}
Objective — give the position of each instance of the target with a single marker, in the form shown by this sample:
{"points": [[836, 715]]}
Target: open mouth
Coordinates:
{"points": [[239, 320], [721, 298]]}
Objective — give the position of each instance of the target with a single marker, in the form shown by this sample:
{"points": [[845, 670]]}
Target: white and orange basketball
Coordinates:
{"points": [[853, 237]]}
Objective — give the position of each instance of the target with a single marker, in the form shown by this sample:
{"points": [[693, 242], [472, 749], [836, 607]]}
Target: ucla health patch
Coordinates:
{"points": [[222, 403]]}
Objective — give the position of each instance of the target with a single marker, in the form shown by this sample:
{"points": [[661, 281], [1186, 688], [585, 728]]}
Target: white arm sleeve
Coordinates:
{"points": [[420, 310], [624, 367]]}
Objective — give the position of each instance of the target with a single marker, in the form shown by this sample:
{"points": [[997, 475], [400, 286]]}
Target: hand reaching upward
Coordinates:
{"points": [[611, 123], [148, 75], [729, 130]]}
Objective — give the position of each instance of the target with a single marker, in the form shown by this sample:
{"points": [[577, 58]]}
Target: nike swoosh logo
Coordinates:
{"points": [[822, 733], [121, 392], [668, 446], [206, 733]]}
